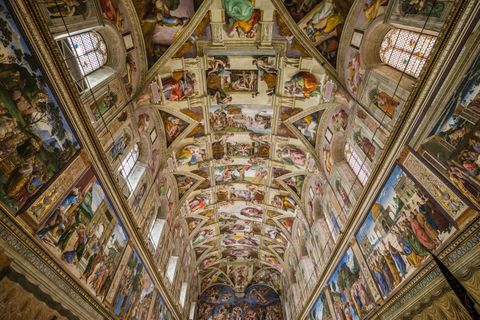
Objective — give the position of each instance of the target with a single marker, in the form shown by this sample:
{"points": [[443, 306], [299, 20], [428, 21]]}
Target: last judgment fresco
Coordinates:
{"points": [[258, 302]]}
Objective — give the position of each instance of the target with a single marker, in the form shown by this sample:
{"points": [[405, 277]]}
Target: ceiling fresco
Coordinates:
{"points": [[248, 170], [241, 112]]}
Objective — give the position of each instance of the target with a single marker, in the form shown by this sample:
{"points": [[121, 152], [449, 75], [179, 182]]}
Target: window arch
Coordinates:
{"points": [[129, 162], [183, 294], [406, 51], [90, 51], [333, 223], [355, 162], [171, 268], [156, 229], [131, 169]]}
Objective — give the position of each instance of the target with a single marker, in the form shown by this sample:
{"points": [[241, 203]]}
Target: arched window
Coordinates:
{"points": [[333, 223], [171, 268], [191, 315], [183, 294], [406, 51], [355, 162], [129, 162], [90, 51], [158, 225], [131, 169]]}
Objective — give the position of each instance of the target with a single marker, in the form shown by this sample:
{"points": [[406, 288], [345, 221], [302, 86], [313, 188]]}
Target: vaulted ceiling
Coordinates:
{"points": [[244, 98]]}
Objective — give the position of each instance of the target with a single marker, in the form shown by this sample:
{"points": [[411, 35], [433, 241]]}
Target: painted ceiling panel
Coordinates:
{"points": [[241, 111]]}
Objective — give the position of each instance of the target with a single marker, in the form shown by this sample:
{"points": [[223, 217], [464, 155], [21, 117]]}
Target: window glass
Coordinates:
{"points": [[156, 231], [355, 163], [90, 50], [171, 268], [406, 51], [129, 162], [183, 294]]}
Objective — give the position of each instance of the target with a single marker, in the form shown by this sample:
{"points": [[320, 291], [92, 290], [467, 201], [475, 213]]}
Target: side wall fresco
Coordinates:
{"points": [[50, 181]]}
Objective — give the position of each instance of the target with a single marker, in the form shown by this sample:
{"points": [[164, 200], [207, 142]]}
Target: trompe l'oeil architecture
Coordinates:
{"points": [[239, 159]]}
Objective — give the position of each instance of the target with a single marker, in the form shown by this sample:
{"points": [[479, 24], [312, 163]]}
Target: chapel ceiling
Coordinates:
{"points": [[242, 103]]}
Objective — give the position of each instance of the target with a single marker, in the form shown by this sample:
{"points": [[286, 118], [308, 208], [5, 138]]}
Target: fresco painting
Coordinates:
{"points": [[430, 14], [287, 223], [242, 212], [190, 155], [160, 310], [302, 85], [267, 276], [351, 296], [36, 140], [240, 76], [57, 13], [240, 118], [227, 146], [234, 226], [383, 101], [161, 22], [254, 174], [308, 126], [234, 254], [354, 72], [373, 9], [119, 146], [276, 235], [321, 310], [179, 86], [184, 183], [340, 120], [452, 203], [401, 227], [242, 18], [239, 275], [284, 202], [365, 144], [84, 233], [296, 184], [241, 225], [323, 25], [329, 49], [270, 259], [216, 277], [173, 126], [453, 145], [193, 223], [106, 101], [286, 113], [276, 173], [67, 9], [116, 12], [249, 240], [298, 9], [240, 192], [135, 291], [203, 173], [199, 202], [292, 155], [267, 72], [203, 235]]}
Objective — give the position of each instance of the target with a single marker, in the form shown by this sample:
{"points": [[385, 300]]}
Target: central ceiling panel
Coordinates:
{"points": [[241, 107]]}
